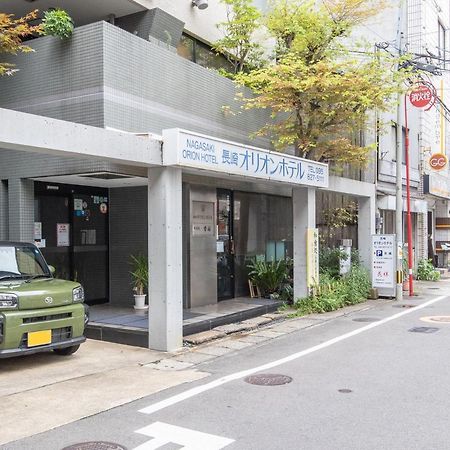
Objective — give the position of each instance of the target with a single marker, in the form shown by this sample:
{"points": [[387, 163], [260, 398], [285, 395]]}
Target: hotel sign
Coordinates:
{"points": [[186, 149]]}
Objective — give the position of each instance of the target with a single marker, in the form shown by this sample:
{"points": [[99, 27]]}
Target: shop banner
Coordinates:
{"points": [[312, 257], [185, 149]]}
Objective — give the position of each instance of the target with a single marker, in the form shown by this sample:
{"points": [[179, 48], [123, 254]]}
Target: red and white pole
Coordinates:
{"points": [[408, 206]]}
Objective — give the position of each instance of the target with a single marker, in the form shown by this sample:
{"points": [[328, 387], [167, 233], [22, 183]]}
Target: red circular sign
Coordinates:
{"points": [[421, 96], [438, 161]]}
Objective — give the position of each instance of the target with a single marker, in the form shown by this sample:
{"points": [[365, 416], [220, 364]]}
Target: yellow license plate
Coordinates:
{"points": [[39, 338]]}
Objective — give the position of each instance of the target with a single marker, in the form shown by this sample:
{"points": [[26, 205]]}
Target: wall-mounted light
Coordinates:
{"points": [[200, 4]]}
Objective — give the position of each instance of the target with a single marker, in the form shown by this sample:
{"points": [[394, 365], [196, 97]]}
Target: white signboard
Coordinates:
{"points": [[186, 149], [37, 230], [383, 263], [203, 223], [62, 235]]}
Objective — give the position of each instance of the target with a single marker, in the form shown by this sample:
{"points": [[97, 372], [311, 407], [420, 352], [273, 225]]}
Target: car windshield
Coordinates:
{"points": [[22, 262]]}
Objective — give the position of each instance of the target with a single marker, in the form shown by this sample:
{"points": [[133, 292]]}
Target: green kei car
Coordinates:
{"points": [[37, 311]]}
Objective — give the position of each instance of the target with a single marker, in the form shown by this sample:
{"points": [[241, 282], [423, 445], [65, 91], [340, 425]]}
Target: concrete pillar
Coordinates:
{"points": [[165, 255], [304, 214], [3, 211], [366, 227], [21, 209]]}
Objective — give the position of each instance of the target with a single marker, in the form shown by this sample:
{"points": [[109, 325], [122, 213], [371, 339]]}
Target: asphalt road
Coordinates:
{"points": [[355, 385]]}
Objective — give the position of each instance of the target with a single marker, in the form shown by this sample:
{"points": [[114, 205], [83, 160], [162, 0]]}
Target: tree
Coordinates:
{"points": [[237, 44], [56, 22], [12, 33], [318, 91]]}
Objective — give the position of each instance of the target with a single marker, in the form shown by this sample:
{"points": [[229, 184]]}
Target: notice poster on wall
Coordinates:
{"points": [[203, 223], [37, 230], [383, 263], [312, 257], [62, 235]]}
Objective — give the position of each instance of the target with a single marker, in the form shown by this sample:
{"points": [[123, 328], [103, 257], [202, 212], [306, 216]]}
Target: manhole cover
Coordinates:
{"points": [[95, 445], [436, 319], [268, 379], [365, 319], [345, 391], [404, 305], [423, 330]]}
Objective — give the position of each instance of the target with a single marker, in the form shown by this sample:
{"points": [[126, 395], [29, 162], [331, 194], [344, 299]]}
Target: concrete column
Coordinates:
{"points": [[4, 213], [21, 209], [304, 214], [366, 227], [165, 255]]}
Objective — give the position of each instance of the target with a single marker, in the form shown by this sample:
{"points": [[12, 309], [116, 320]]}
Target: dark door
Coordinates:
{"points": [[225, 245]]}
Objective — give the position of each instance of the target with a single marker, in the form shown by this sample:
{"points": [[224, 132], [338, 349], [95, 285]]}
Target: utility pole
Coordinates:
{"points": [[399, 184]]}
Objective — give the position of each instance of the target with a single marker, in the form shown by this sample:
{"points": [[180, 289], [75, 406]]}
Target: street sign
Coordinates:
{"points": [[383, 264], [421, 96], [438, 161]]}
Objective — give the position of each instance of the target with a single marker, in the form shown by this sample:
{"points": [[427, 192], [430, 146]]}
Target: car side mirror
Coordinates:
{"points": [[52, 270]]}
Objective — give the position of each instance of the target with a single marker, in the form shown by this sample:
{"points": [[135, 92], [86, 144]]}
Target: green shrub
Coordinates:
{"points": [[329, 260], [426, 271], [57, 22], [332, 294], [273, 277]]}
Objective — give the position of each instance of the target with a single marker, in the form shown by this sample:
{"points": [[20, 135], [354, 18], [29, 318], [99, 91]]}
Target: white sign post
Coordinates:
{"points": [[383, 264]]}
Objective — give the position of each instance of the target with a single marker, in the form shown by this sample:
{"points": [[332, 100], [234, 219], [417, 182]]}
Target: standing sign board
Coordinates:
{"points": [[383, 264], [312, 257]]}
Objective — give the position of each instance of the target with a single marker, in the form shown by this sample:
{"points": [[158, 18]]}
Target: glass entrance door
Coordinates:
{"points": [[225, 245]]}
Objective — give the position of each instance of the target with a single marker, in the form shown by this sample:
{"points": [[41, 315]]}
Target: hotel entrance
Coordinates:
{"points": [[71, 229]]}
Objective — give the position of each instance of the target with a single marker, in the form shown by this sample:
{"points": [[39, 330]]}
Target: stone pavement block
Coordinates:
{"points": [[194, 357], [216, 350], [235, 327], [297, 324], [235, 344], [252, 339], [204, 336], [268, 333], [169, 364], [257, 321]]}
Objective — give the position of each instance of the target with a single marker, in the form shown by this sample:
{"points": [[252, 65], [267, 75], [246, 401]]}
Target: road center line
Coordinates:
{"points": [[244, 373]]}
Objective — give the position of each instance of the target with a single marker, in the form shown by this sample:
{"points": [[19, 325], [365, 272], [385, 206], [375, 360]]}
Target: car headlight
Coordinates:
{"points": [[9, 301], [78, 294]]}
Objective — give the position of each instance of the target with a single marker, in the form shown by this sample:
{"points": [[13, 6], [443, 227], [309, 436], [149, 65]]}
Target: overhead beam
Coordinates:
{"points": [[39, 134]]}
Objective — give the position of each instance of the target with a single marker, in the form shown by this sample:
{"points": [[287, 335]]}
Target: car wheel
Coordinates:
{"points": [[67, 350]]}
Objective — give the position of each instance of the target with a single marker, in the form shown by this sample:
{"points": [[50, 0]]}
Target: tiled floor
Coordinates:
{"points": [[128, 317]]}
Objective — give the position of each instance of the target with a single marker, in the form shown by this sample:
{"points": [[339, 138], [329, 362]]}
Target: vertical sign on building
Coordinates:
{"points": [[383, 264], [312, 257]]}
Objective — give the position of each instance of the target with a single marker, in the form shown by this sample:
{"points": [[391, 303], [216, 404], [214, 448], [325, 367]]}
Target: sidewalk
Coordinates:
{"points": [[42, 392]]}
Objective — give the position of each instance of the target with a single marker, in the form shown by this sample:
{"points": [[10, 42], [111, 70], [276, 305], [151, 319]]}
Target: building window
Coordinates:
{"points": [[201, 54], [442, 43]]}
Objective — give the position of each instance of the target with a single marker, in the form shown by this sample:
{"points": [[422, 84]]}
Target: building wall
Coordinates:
{"points": [[127, 236]]}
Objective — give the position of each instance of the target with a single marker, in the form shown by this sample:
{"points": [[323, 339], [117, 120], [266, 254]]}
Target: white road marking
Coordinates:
{"points": [[244, 373], [164, 433]]}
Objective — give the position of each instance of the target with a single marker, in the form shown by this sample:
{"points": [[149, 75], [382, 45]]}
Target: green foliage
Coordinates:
{"points": [[12, 32], [318, 91], [426, 271], [329, 261], [332, 294], [57, 22], [237, 45], [139, 273], [272, 277], [341, 217]]}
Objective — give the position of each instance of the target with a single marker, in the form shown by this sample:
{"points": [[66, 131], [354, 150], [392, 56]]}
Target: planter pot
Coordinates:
{"points": [[139, 302]]}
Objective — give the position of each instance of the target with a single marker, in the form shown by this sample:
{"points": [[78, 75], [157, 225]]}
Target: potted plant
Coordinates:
{"points": [[139, 273]]}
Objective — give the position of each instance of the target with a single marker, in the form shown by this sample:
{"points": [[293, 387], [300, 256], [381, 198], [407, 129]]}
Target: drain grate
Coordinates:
{"points": [[365, 319], [268, 379], [427, 330], [345, 391], [95, 445], [404, 305]]}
